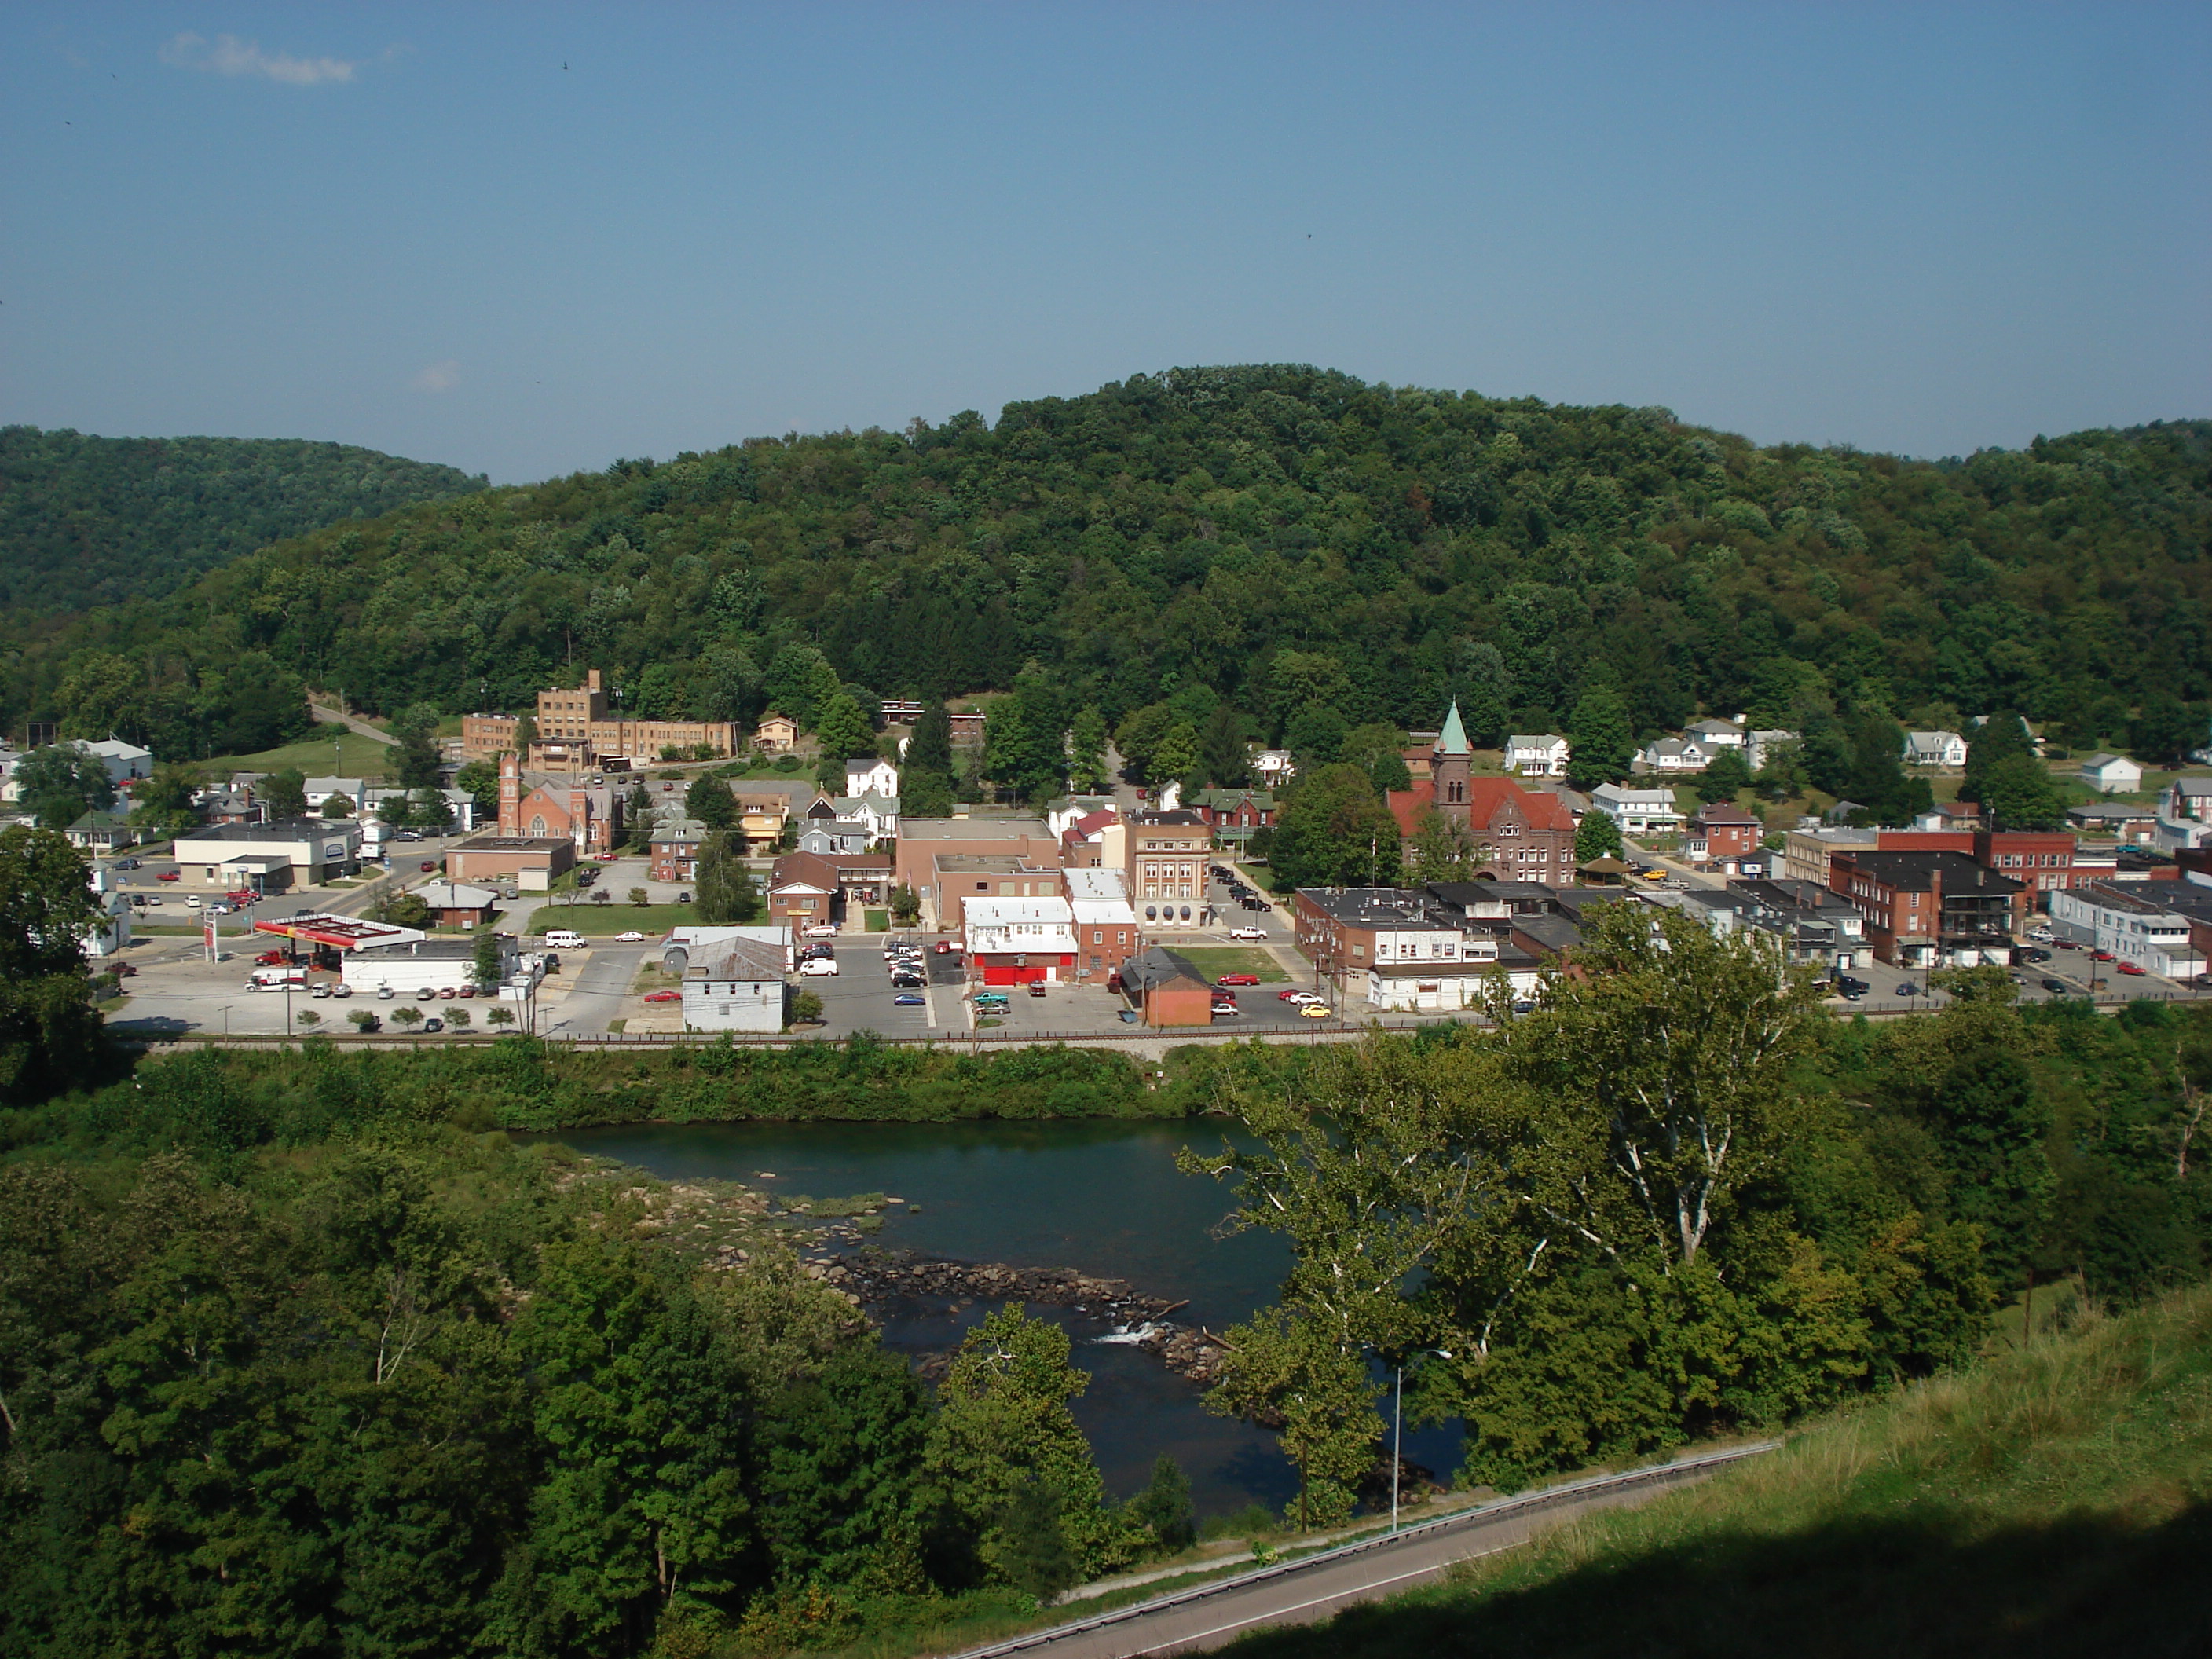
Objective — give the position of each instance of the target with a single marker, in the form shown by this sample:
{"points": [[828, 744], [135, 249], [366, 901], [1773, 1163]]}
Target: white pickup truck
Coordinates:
{"points": [[1247, 932]]}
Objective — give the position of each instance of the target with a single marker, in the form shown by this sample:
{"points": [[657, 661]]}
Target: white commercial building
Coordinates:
{"points": [[1638, 811], [734, 985], [267, 857], [1039, 930], [422, 964], [684, 943], [1106, 928], [2133, 925]]}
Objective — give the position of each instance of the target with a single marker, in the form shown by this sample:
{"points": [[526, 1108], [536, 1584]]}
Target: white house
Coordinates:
{"points": [[871, 776], [1638, 811], [1675, 755], [1272, 767], [1105, 921], [1711, 734], [1935, 748], [735, 986], [1541, 756], [2184, 814], [2112, 775]]}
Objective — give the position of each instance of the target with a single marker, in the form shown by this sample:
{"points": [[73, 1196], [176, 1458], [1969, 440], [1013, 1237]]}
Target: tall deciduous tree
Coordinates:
{"points": [[284, 793], [709, 801], [49, 1034], [60, 784], [2017, 793], [1597, 837], [1086, 752], [1600, 743], [2002, 734], [1335, 831]]}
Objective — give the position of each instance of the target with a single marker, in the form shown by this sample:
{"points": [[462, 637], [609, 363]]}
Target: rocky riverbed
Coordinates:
{"points": [[879, 1277]]}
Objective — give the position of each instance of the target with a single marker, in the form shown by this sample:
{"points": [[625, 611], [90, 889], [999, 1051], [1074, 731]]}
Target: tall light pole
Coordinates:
{"points": [[1398, 1424]]}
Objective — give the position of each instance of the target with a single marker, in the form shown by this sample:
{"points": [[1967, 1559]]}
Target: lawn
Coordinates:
{"points": [[1214, 961], [879, 921], [332, 752], [598, 921]]}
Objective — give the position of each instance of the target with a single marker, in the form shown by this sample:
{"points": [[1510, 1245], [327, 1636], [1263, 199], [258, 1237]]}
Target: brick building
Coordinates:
{"points": [[1107, 934], [1167, 854], [1723, 834], [1931, 910], [576, 730], [590, 815], [1524, 834]]}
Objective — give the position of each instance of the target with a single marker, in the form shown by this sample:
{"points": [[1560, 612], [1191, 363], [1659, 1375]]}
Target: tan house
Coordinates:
{"points": [[778, 734]]}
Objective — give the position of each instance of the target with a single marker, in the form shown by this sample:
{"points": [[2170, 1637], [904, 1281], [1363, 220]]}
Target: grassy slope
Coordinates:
{"points": [[2057, 1501]]}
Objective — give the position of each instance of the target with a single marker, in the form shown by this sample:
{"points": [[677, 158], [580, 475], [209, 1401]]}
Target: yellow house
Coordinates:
{"points": [[777, 734]]}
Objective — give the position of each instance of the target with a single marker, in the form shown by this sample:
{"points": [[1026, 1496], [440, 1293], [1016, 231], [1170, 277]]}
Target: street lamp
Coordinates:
{"points": [[1398, 1423]]}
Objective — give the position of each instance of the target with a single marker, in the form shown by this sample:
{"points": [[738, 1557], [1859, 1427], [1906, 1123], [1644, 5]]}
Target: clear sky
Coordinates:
{"points": [[524, 239]]}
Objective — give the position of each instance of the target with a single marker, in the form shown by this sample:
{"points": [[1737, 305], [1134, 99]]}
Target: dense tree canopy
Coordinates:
{"points": [[87, 521], [1308, 547]]}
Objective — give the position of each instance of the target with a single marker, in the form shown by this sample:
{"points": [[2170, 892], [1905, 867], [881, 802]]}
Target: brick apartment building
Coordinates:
{"points": [[1167, 854], [1931, 910]]}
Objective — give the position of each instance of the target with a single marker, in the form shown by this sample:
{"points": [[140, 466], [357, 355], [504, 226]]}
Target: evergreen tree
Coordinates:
{"points": [[1878, 782], [1164, 1505], [1598, 740], [843, 731], [929, 747], [1222, 753], [419, 756]]}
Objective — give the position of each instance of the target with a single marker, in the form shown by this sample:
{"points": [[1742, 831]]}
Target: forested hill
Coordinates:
{"points": [[87, 521], [1272, 536]]}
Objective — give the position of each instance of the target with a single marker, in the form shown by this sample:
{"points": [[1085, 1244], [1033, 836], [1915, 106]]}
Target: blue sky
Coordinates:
{"points": [[1925, 228]]}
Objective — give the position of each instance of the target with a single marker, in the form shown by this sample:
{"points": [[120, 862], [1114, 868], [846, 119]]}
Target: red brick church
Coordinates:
{"points": [[1524, 834]]}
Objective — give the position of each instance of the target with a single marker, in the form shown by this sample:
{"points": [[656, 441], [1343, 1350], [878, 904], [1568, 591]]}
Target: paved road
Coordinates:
{"points": [[1308, 1591], [331, 717], [598, 981]]}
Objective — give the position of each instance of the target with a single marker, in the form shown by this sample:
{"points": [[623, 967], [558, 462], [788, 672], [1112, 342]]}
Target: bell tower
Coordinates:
{"points": [[1452, 762], [510, 793]]}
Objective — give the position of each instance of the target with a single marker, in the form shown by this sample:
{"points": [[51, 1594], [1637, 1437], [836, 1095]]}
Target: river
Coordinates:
{"points": [[1102, 1196]]}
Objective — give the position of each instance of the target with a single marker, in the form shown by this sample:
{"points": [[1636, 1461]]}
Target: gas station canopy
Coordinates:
{"points": [[340, 933]]}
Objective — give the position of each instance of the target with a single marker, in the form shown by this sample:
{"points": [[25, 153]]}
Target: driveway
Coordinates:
{"points": [[598, 981]]}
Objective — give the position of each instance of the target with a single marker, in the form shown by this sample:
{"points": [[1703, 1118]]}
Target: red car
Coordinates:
{"points": [[167, 875], [2100, 956], [269, 959], [429, 864], [664, 996], [2130, 969], [1284, 996], [1238, 979]]}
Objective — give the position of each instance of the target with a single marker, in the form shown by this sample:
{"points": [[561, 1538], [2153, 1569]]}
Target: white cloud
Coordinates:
{"points": [[231, 56], [438, 377]]}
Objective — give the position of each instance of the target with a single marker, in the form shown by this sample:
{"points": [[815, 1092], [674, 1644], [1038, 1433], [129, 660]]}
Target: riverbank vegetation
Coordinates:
{"points": [[2055, 1500], [304, 1366], [1678, 1200]]}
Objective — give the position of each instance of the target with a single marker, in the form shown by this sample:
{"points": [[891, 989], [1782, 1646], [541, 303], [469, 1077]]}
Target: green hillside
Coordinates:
{"points": [[1279, 539], [2056, 1500], [89, 521]]}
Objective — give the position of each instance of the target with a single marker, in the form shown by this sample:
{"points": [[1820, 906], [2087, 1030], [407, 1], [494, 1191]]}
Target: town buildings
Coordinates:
{"points": [[1168, 856], [734, 984], [589, 814], [530, 862], [806, 888], [2146, 923], [2111, 775], [1167, 990], [1725, 836], [2185, 814], [673, 849], [1943, 749], [1639, 811]]}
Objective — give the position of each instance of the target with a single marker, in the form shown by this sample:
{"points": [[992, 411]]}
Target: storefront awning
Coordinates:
{"points": [[340, 933]]}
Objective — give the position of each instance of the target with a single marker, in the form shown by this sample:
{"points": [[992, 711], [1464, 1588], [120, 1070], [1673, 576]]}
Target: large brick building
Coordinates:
{"points": [[1931, 910], [1522, 835], [576, 732], [590, 815]]}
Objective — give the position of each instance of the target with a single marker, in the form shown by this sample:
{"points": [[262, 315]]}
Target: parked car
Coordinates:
{"points": [[1223, 1009], [429, 864], [321, 992], [340, 990], [384, 993], [1036, 987], [167, 875], [219, 908], [908, 981], [1851, 993], [433, 1024], [819, 968], [447, 992], [1908, 989], [468, 991], [2067, 943], [2132, 970], [2101, 955], [1315, 1011], [946, 947], [1238, 979], [821, 930], [631, 937], [2058, 988], [683, 898], [129, 864], [908, 1000], [426, 994], [664, 996], [2203, 981], [194, 903], [1247, 932], [2031, 954]]}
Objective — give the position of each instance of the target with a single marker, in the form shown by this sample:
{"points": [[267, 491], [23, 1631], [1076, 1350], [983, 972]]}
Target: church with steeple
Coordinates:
{"points": [[1521, 834]]}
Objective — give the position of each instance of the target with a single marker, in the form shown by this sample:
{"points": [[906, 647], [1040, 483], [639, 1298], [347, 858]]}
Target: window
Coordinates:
{"points": [[1097, 937]]}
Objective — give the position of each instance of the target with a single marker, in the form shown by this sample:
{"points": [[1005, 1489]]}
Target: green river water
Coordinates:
{"points": [[1102, 1196]]}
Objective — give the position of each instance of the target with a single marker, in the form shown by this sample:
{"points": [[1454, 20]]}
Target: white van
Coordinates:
{"points": [[559, 939], [278, 979]]}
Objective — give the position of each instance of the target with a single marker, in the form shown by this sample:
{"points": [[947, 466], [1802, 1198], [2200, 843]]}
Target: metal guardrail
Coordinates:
{"points": [[1656, 1475]]}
